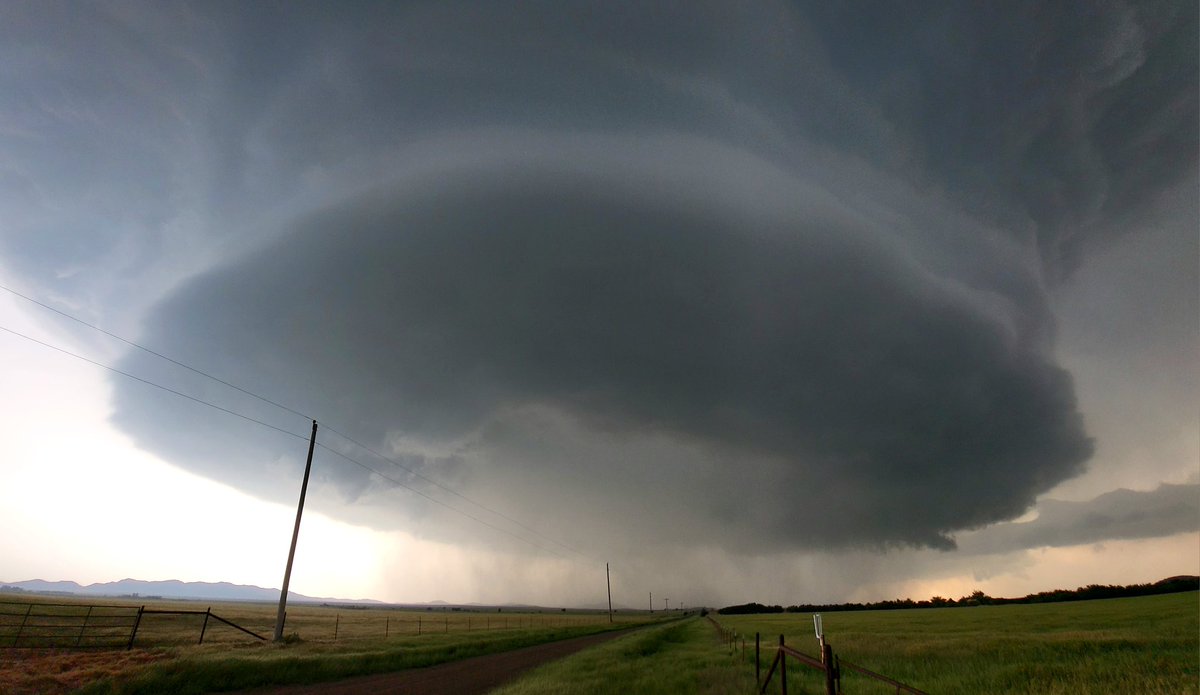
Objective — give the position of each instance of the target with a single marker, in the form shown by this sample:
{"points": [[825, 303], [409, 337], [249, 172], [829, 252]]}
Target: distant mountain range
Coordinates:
{"points": [[171, 588]]}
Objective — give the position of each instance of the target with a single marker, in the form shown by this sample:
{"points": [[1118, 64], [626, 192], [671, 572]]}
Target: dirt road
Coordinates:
{"points": [[467, 677]]}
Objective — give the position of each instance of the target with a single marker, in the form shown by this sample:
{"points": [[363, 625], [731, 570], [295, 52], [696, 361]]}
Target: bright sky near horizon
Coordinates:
{"points": [[784, 303]]}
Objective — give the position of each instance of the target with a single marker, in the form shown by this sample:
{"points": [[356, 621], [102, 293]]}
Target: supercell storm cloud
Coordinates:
{"points": [[801, 342], [789, 256]]}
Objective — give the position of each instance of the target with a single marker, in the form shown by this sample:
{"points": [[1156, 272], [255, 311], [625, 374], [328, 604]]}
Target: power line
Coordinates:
{"points": [[298, 436], [143, 348], [270, 401], [150, 383]]}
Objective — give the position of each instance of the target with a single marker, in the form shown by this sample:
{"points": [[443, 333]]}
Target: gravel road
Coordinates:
{"points": [[466, 677]]}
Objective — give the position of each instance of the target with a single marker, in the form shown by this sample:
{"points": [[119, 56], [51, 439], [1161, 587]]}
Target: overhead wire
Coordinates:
{"points": [[150, 383], [275, 403], [234, 413], [143, 348]]}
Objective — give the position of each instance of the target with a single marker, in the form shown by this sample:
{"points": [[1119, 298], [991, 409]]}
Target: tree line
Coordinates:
{"points": [[1170, 585]]}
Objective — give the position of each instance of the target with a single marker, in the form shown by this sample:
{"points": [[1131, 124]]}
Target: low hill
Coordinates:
{"points": [[171, 589]]}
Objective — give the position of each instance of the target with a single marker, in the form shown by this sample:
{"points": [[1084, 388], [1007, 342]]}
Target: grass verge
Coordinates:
{"points": [[1145, 645], [679, 657], [222, 669]]}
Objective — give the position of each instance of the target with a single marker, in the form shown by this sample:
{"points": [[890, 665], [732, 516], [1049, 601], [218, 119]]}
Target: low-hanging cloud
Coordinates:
{"points": [[1118, 515], [778, 282], [790, 344]]}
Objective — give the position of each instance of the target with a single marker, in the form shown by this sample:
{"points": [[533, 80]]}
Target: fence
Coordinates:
{"points": [[383, 624], [828, 664], [389, 626], [66, 625], [78, 626]]}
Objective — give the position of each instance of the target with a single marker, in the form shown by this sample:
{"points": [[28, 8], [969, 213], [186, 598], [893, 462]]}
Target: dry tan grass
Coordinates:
{"points": [[359, 630], [53, 671]]}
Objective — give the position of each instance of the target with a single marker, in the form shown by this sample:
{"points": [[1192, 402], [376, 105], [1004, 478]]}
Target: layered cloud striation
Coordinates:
{"points": [[769, 278]]}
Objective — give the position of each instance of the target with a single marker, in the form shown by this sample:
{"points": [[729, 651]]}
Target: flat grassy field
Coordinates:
{"points": [[312, 622], [682, 657], [370, 639], [1133, 645], [1142, 645]]}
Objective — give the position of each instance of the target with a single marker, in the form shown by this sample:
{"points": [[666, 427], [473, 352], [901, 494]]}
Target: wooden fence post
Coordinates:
{"points": [[830, 670], [387, 625], [757, 663], [782, 667]]}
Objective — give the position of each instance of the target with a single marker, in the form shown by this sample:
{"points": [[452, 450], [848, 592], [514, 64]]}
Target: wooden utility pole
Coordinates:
{"points": [[287, 573], [651, 601], [666, 604], [608, 582]]}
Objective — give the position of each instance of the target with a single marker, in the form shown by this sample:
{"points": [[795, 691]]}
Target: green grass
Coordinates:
{"points": [[333, 642], [221, 668], [313, 623], [1144, 645], [680, 657]]}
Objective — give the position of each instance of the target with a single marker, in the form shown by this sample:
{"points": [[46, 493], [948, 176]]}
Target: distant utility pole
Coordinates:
{"points": [[287, 573], [609, 583], [666, 604], [651, 601]]}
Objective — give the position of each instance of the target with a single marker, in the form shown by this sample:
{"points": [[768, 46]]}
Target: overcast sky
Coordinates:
{"points": [[791, 302]]}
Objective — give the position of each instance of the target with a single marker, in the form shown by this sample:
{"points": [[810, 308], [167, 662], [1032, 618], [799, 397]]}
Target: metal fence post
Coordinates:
{"points": [[21, 628], [136, 621], [204, 625], [83, 628]]}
